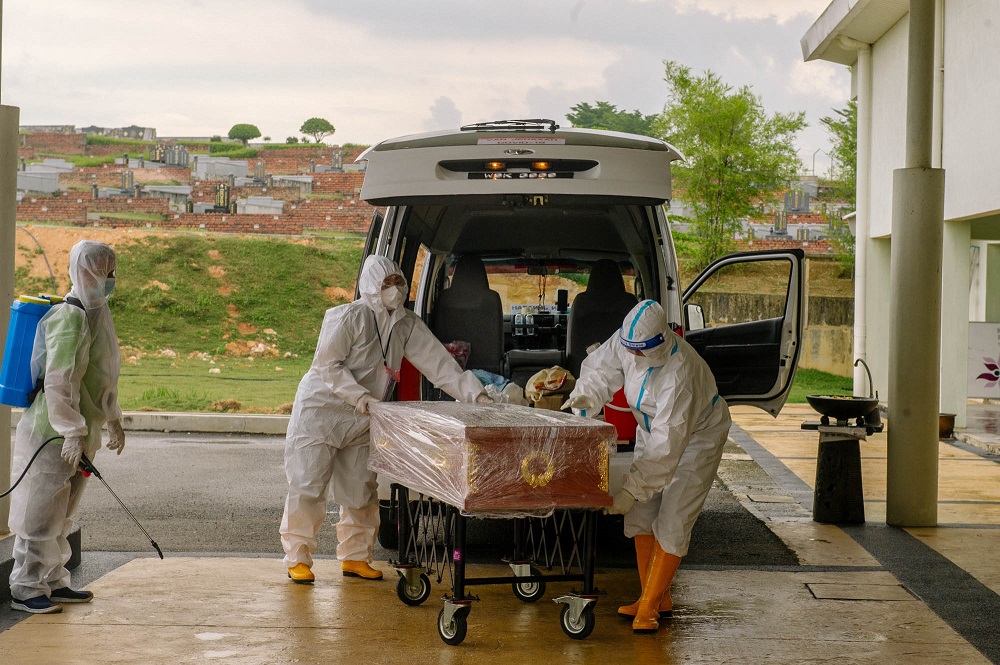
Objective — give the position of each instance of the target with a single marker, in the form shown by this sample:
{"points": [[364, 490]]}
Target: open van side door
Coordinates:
{"points": [[743, 314]]}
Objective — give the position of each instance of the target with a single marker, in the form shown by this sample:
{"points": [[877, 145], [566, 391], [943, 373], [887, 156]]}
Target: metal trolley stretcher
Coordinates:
{"points": [[432, 540]]}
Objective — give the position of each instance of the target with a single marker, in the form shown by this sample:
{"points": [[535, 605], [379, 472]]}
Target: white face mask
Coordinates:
{"points": [[642, 363], [393, 297]]}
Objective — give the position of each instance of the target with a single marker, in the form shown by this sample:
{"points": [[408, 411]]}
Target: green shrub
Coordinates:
{"points": [[94, 139], [232, 150]]}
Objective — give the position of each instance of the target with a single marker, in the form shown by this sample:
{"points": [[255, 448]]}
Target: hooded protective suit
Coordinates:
{"points": [[360, 345], [76, 350], [683, 422]]}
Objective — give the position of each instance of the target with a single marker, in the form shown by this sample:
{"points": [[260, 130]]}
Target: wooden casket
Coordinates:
{"points": [[493, 457]]}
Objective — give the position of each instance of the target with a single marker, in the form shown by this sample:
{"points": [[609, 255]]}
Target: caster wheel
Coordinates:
{"points": [[529, 592], [454, 631], [578, 630], [414, 594]]}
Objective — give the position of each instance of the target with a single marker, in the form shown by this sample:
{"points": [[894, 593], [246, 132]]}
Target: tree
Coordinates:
{"points": [[244, 133], [292, 139], [607, 116], [736, 153], [844, 136], [317, 128]]}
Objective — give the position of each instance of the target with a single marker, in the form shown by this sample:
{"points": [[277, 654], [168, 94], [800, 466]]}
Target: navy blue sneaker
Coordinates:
{"points": [[67, 595], [36, 605]]}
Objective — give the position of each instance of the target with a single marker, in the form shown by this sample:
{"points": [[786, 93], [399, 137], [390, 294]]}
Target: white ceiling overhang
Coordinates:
{"points": [[856, 20]]}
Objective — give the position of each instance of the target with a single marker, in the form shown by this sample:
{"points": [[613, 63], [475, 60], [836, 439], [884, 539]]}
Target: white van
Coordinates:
{"points": [[531, 242]]}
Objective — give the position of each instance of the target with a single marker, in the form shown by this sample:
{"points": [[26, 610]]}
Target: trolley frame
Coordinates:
{"points": [[432, 541]]}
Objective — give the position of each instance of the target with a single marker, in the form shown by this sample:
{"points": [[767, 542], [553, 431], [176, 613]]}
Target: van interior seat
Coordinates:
{"points": [[522, 364], [470, 311], [596, 312]]}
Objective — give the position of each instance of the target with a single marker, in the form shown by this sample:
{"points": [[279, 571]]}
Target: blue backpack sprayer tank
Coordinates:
{"points": [[18, 387]]}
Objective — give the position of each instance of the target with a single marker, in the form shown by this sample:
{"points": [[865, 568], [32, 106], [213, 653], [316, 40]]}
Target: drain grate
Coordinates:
{"points": [[881, 592]]}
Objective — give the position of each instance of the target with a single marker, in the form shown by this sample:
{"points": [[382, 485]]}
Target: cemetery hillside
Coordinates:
{"points": [[229, 254]]}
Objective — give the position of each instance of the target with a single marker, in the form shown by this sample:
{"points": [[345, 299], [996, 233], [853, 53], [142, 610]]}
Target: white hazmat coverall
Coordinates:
{"points": [[683, 422], [327, 441], [77, 352]]}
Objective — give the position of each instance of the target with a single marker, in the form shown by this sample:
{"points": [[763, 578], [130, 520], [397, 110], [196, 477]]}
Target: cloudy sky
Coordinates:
{"points": [[382, 68]]}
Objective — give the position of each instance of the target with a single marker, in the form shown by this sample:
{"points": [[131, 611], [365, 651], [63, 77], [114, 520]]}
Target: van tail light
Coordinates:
{"points": [[677, 328]]}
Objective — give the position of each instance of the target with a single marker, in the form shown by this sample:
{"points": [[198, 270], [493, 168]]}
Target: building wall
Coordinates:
{"points": [[877, 312], [969, 148], [888, 124], [971, 103]]}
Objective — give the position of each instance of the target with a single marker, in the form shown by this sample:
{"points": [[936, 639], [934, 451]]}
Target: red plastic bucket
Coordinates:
{"points": [[620, 415]]}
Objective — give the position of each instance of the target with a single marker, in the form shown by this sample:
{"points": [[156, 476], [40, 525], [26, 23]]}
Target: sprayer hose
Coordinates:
{"points": [[21, 477]]}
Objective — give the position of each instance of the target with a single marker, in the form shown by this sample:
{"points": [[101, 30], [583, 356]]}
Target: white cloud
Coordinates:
{"points": [[823, 80], [444, 114], [781, 11], [375, 70]]}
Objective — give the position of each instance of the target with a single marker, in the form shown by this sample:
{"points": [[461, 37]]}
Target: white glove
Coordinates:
{"points": [[363, 403], [116, 436], [581, 402], [72, 450], [483, 398], [623, 503]]}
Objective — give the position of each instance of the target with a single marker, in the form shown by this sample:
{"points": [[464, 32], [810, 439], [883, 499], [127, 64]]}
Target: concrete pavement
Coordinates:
{"points": [[861, 594]]}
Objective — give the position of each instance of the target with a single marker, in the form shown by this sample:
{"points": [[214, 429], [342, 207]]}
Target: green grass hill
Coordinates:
{"points": [[218, 322]]}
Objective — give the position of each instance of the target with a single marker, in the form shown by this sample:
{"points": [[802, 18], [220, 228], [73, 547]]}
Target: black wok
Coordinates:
{"points": [[842, 407]]}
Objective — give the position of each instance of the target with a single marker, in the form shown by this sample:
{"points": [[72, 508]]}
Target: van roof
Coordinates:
{"points": [[578, 161]]}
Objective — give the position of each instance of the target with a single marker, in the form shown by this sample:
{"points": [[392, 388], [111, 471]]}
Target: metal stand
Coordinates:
{"points": [[432, 538], [838, 497]]}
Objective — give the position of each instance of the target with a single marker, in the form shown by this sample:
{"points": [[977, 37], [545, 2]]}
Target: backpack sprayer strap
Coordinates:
{"points": [[40, 384]]}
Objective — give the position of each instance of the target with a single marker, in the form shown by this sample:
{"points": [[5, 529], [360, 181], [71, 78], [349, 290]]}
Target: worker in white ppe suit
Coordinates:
{"points": [[360, 348], [683, 426], [76, 356]]}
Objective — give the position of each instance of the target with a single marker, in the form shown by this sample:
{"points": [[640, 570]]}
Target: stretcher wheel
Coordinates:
{"points": [[531, 591], [414, 594], [454, 631], [578, 630]]}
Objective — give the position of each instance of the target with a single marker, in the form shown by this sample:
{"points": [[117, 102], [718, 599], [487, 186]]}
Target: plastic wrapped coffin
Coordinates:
{"points": [[495, 457]]}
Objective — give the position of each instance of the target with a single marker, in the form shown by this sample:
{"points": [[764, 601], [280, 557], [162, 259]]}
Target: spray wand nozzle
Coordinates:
{"points": [[87, 468]]}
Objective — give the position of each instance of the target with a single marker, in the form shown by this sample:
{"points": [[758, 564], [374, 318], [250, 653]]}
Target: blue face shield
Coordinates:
{"points": [[643, 345], [109, 286], [645, 330]]}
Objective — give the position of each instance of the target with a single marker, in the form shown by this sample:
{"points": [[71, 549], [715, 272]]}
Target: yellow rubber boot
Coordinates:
{"points": [[643, 551], [301, 574], [662, 567], [360, 569]]}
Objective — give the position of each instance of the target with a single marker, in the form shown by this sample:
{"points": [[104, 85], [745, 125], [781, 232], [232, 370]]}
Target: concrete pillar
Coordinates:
{"points": [[955, 263], [957, 240], [990, 258], [915, 310], [9, 119], [862, 233]]}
